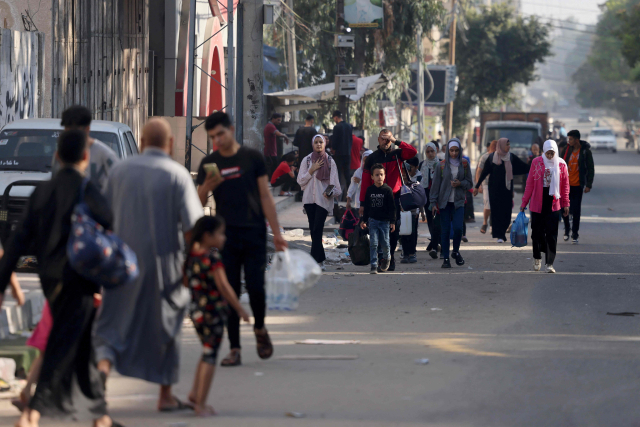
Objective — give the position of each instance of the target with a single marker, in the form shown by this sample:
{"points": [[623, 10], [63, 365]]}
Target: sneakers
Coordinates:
{"points": [[413, 259], [392, 265], [550, 269], [574, 241], [433, 254], [537, 264], [458, 258], [500, 241], [404, 260], [384, 265], [464, 239], [566, 237], [446, 263], [374, 269]]}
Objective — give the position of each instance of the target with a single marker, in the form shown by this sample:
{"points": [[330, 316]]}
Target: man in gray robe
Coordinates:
{"points": [[155, 205]]}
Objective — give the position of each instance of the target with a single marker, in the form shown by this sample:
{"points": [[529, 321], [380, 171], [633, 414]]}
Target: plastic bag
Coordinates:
{"points": [[406, 224], [359, 247], [520, 230], [292, 272]]}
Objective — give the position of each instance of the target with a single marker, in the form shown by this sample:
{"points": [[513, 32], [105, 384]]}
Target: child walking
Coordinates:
{"points": [[210, 292], [380, 216]]}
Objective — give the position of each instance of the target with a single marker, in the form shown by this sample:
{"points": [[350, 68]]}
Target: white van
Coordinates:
{"points": [[26, 154]]}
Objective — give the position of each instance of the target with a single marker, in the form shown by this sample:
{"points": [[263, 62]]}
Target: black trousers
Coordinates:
{"points": [[317, 216], [343, 163], [575, 198], [69, 369], [409, 243], [434, 229], [287, 182], [246, 248], [544, 230], [395, 236], [272, 165]]}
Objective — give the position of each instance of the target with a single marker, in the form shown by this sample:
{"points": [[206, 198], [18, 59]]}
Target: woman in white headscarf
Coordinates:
{"points": [[353, 193], [317, 172], [548, 192], [428, 170], [500, 167]]}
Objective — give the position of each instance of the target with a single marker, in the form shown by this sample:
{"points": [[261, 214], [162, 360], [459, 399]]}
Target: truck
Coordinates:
{"points": [[522, 129]]}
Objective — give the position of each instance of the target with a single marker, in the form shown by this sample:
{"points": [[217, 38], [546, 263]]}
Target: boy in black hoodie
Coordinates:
{"points": [[380, 216]]}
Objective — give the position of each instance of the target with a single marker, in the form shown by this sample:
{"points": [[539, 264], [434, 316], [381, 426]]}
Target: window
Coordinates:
{"points": [[132, 143], [109, 138], [601, 132], [126, 145], [27, 149], [519, 137]]}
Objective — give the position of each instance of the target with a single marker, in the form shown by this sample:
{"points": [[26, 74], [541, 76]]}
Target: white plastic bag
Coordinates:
{"points": [[292, 272], [406, 224]]}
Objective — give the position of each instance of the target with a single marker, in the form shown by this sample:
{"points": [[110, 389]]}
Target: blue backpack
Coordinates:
{"points": [[520, 230], [97, 254]]}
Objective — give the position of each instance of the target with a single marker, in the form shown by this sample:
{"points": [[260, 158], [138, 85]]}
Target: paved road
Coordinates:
{"points": [[506, 346]]}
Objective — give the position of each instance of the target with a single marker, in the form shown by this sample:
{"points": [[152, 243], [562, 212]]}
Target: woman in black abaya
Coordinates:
{"points": [[501, 166]]}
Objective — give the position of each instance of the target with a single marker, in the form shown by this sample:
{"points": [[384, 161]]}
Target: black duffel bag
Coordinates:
{"points": [[359, 247]]}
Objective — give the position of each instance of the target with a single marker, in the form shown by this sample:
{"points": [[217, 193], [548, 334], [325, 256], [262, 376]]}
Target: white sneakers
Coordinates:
{"points": [[500, 241], [537, 264], [550, 269]]}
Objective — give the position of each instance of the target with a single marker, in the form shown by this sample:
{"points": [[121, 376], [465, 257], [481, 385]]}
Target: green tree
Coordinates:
{"points": [[499, 51], [389, 50]]}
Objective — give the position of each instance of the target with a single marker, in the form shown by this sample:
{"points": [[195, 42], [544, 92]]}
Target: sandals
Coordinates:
{"points": [[232, 359], [180, 406], [483, 229], [263, 344]]}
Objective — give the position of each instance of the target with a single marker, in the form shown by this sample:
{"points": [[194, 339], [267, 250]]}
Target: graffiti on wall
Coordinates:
{"points": [[18, 75]]}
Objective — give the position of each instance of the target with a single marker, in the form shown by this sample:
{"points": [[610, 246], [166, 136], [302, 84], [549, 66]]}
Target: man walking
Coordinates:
{"points": [[304, 137], [270, 146], [577, 154], [155, 206], [390, 159], [101, 156], [341, 142], [242, 196]]}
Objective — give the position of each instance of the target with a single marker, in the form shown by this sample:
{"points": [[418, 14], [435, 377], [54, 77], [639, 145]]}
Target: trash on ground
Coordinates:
{"points": [[295, 415], [422, 361], [327, 342], [470, 268], [624, 313], [436, 309], [298, 232], [317, 357]]}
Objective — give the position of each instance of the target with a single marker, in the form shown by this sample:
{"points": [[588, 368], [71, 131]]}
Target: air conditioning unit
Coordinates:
{"points": [[347, 84]]}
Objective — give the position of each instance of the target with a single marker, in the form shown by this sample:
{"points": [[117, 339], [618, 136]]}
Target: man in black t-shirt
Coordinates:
{"points": [[304, 137], [240, 188]]}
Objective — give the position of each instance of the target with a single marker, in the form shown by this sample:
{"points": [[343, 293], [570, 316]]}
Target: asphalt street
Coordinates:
{"points": [[506, 346]]}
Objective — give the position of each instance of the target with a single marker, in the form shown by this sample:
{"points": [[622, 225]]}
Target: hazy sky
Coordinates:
{"points": [[584, 11]]}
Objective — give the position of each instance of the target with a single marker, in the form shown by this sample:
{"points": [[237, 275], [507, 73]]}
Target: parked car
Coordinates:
{"points": [[603, 138], [26, 155], [584, 117]]}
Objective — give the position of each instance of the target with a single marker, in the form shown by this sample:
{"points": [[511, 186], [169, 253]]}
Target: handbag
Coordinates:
{"points": [[412, 196], [359, 247], [349, 222], [406, 223], [97, 254]]}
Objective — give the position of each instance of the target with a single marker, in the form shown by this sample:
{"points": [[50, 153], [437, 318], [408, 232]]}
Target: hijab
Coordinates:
{"points": [[454, 143], [358, 172], [553, 166], [503, 155], [324, 173], [428, 168]]}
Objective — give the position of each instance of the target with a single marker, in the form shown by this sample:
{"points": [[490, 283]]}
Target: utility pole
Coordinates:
{"points": [[190, 60], [292, 61], [340, 60], [252, 107], [231, 76], [420, 60], [452, 61]]}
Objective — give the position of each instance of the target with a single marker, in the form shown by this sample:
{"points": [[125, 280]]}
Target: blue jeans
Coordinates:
{"points": [[450, 216], [378, 235]]}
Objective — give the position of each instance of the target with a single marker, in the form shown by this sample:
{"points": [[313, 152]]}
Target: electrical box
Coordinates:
{"points": [[445, 84], [343, 40], [347, 84], [269, 14]]}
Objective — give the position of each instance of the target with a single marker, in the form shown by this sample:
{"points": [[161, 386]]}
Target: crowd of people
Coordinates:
{"points": [[193, 265]]}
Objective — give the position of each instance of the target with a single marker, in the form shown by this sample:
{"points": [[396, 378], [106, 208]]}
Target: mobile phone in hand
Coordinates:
{"points": [[329, 190], [211, 169]]}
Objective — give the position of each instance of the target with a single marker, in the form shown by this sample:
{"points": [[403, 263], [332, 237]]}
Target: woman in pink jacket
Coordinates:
{"points": [[548, 191]]}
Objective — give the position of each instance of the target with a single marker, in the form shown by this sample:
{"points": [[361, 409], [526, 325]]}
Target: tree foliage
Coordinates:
{"points": [[608, 78], [501, 50], [389, 50]]}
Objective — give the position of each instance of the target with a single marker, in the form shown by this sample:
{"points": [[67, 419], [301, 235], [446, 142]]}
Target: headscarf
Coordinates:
{"points": [[324, 173], [502, 155], [358, 172], [553, 166], [428, 168], [454, 143]]}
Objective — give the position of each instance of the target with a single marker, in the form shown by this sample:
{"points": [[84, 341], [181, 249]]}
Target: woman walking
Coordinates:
{"points": [[318, 178], [353, 193], [485, 186], [502, 166], [548, 191], [451, 181], [428, 170]]}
